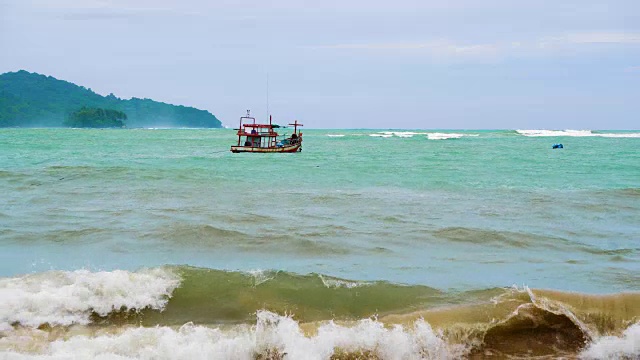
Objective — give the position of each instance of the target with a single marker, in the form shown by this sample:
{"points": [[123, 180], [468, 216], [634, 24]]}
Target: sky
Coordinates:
{"points": [[406, 64]]}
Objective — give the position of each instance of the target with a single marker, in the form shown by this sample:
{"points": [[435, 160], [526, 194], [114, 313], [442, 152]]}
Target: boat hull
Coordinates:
{"points": [[282, 149]]}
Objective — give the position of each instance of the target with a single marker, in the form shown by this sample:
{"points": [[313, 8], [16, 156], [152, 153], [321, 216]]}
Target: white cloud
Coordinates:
{"points": [[604, 37], [495, 50], [100, 9], [437, 48], [67, 4], [585, 38]]}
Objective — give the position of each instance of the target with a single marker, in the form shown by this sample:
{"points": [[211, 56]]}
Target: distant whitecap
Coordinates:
{"points": [[575, 133]]}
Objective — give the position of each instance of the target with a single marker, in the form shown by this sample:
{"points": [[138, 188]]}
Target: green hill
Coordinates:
{"points": [[30, 99]]}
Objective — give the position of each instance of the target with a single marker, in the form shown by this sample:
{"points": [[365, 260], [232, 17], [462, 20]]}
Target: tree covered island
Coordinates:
{"points": [[34, 100], [96, 118]]}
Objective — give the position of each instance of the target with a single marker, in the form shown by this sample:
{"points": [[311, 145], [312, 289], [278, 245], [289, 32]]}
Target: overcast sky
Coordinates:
{"points": [[470, 64]]}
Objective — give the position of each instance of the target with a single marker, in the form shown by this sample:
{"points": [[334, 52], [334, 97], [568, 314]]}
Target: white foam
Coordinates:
{"points": [[271, 333], [445, 136], [69, 297], [261, 276], [626, 346], [618, 135], [430, 135], [402, 134], [575, 133], [335, 135], [333, 283]]}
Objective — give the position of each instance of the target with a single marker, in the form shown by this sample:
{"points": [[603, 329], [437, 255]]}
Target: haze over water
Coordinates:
{"points": [[457, 236]]}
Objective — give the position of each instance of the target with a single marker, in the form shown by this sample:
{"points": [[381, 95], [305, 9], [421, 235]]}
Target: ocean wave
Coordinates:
{"points": [[273, 337], [575, 133], [446, 136], [12, 176], [197, 233], [331, 282], [633, 192], [274, 314], [525, 240], [215, 296], [625, 346], [504, 238], [71, 297], [402, 134], [174, 295], [429, 135], [528, 331], [208, 236], [74, 172], [526, 323]]}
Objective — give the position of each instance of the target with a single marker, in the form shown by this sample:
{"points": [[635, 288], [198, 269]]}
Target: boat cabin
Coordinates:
{"points": [[255, 137]]}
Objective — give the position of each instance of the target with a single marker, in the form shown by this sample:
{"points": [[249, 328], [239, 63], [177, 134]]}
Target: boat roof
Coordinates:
{"points": [[258, 125]]}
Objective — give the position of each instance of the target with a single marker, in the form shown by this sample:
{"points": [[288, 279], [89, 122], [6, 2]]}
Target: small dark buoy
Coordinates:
{"points": [[557, 146]]}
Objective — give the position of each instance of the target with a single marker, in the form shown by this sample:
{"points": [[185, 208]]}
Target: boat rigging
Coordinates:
{"points": [[261, 138]]}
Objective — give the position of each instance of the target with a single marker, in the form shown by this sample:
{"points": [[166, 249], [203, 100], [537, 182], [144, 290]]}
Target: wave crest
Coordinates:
{"points": [[626, 346], [272, 337], [429, 135], [575, 133], [71, 297], [333, 318], [528, 332]]}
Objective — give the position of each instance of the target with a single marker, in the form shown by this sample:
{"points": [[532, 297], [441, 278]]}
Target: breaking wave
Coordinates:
{"points": [[183, 312], [273, 337], [445, 136], [625, 346], [429, 135], [576, 133], [71, 297]]}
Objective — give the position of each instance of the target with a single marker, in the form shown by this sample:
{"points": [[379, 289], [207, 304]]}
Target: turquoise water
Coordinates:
{"points": [[493, 208], [447, 211]]}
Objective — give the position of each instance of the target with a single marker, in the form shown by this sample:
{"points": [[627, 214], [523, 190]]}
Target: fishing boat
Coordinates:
{"points": [[262, 138]]}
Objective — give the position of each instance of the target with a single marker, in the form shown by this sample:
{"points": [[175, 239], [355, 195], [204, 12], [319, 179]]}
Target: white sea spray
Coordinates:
{"points": [[626, 346], [69, 297], [330, 282], [429, 135], [444, 136], [272, 333], [575, 133], [261, 276]]}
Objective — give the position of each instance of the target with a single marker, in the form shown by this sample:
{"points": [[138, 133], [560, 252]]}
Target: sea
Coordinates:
{"points": [[368, 244]]}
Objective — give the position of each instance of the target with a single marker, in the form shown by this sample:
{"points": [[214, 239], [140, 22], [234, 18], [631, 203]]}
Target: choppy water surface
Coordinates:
{"points": [[367, 244]]}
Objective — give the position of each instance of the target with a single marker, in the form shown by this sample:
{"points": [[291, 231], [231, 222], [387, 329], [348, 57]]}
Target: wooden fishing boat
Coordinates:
{"points": [[262, 138]]}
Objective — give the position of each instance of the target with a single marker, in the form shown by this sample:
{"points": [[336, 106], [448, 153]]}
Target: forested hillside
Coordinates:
{"points": [[30, 99]]}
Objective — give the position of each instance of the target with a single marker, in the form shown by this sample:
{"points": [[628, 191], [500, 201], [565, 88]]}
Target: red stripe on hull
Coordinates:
{"points": [[284, 149]]}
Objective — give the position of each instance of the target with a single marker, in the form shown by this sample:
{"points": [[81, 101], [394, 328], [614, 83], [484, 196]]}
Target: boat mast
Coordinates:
{"points": [[295, 126], [268, 112]]}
